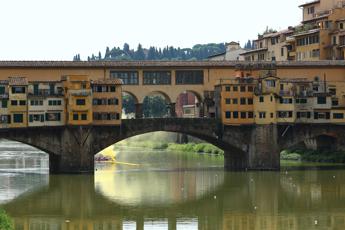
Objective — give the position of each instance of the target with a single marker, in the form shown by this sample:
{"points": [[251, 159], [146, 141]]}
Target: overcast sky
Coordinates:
{"points": [[59, 29]]}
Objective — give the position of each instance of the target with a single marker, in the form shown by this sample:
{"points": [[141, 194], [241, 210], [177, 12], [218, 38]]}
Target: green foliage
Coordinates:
{"points": [[128, 104], [313, 156], [197, 52], [5, 221], [154, 106]]}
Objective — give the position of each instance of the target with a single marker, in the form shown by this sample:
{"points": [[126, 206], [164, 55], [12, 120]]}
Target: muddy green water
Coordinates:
{"points": [[167, 190]]}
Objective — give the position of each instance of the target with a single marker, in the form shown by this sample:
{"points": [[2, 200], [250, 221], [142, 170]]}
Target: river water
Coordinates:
{"points": [[166, 190]]}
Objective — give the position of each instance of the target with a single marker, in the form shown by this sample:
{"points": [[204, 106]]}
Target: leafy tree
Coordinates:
{"points": [[107, 53], [154, 106], [128, 104], [5, 221], [139, 54]]}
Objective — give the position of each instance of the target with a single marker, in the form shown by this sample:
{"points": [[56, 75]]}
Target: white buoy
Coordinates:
{"points": [[333, 176], [315, 222], [67, 221], [255, 207], [215, 197]]}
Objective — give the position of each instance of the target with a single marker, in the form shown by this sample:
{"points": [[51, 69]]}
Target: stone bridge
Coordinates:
{"points": [[71, 149]]}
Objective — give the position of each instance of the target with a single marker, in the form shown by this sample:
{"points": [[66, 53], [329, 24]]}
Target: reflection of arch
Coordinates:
{"points": [[160, 93], [132, 95]]}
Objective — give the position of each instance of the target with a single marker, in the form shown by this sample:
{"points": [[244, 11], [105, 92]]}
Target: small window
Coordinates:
{"points": [[235, 114], [4, 103], [250, 101], [84, 116], [321, 100], [243, 89], [338, 115], [18, 118], [261, 99], [14, 102], [21, 102], [235, 101], [227, 88], [243, 115], [235, 88], [250, 89], [227, 114], [271, 114], [112, 88], [227, 101], [80, 101], [262, 114], [242, 101], [75, 117], [250, 115]]}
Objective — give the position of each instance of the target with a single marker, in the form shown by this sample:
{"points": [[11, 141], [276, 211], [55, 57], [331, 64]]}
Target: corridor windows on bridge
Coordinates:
{"points": [[127, 77], [157, 78], [189, 77]]}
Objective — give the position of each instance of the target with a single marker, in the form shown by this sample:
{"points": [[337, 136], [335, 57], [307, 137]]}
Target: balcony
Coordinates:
{"points": [[80, 92], [44, 93], [286, 93]]}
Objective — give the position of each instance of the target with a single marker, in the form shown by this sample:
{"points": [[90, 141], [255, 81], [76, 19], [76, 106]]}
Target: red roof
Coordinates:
{"points": [[17, 81]]}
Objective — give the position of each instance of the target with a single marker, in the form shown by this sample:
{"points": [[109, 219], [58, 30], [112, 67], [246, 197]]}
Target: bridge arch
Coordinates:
{"points": [[316, 136]]}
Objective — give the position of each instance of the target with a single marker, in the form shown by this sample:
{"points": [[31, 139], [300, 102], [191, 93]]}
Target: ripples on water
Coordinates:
{"points": [[166, 191]]}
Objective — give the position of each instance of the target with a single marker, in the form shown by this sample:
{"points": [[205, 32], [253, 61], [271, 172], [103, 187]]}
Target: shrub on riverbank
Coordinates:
{"points": [[190, 147], [5, 221], [314, 156]]}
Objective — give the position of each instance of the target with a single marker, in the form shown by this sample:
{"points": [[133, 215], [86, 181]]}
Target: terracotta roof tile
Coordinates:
{"points": [[17, 81], [115, 81]]}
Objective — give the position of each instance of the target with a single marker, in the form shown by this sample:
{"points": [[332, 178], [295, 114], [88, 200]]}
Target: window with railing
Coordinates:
{"points": [[189, 77], [127, 77], [157, 78]]}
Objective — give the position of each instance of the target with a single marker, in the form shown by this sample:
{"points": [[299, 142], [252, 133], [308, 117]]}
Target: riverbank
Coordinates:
{"points": [[190, 147], [313, 156]]}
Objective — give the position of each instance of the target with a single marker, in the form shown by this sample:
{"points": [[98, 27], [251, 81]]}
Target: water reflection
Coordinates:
{"points": [[154, 197], [155, 187]]}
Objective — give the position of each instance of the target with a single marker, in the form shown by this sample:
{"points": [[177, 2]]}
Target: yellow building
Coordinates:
{"points": [[235, 100], [17, 107], [265, 100], [78, 97], [46, 103], [4, 116], [107, 102]]}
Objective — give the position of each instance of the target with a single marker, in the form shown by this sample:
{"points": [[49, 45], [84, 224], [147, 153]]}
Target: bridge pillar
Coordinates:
{"points": [[172, 111], [139, 110], [263, 152], [76, 153]]}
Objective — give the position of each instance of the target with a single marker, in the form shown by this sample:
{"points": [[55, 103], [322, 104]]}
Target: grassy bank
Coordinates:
{"points": [[313, 156], [5, 221], [190, 147]]}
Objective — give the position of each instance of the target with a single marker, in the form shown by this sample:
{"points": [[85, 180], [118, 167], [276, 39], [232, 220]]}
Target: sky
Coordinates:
{"points": [[59, 29]]}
